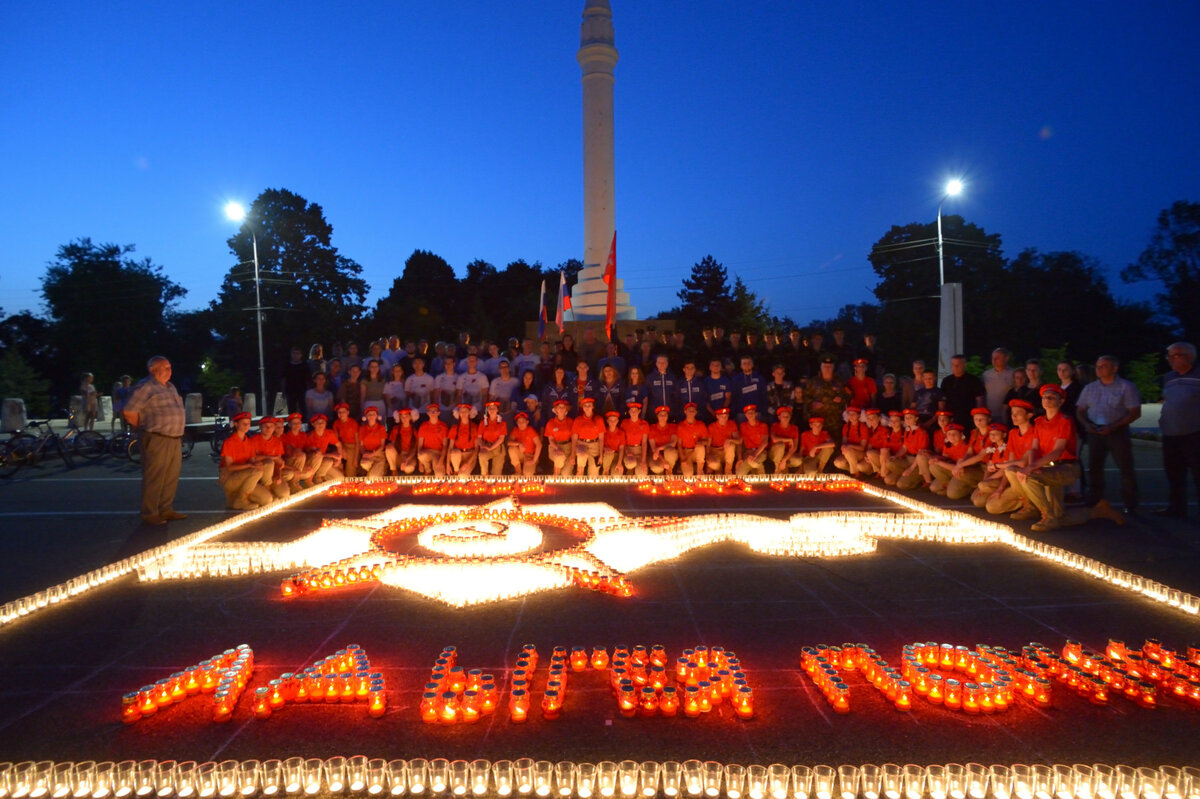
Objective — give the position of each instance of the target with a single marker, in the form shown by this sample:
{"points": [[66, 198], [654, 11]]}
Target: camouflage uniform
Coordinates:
{"points": [[832, 396]]}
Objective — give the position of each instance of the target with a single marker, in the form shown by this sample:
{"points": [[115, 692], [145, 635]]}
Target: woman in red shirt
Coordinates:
{"points": [[346, 430], [464, 449], [663, 443], [432, 442], [612, 459], [239, 474], [372, 439], [401, 450], [493, 431], [320, 441]]}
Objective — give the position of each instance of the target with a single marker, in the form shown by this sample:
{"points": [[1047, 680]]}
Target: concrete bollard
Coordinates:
{"points": [[193, 408], [75, 406], [12, 416], [280, 408], [104, 409], [250, 404]]}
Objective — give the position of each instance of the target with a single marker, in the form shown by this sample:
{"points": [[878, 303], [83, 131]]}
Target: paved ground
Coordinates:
{"points": [[61, 676]]}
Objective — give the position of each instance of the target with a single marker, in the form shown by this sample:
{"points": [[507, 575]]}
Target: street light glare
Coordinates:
{"points": [[954, 188], [235, 211]]}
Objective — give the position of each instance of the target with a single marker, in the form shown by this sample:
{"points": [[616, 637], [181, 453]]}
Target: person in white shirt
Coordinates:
{"points": [[1106, 407], [419, 385], [997, 382], [503, 388], [473, 385]]}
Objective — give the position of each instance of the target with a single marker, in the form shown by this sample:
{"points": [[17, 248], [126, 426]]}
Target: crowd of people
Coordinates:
{"points": [[733, 405]]}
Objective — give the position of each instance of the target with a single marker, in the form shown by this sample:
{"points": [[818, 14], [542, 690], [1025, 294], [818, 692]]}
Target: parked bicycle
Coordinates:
{"points": [[26, 449], [85, 443], [129, 446]]}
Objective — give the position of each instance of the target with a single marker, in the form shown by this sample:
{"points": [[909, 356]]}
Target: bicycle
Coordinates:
{"points": [[25, 449], [133, 449], [221, 431], [85, 443]]}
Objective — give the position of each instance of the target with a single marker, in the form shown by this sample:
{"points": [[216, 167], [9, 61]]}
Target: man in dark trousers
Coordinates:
{"points": [[155, 410]]}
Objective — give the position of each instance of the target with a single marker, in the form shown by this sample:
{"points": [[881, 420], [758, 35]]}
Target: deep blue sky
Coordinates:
{"points": [[784, 138]]}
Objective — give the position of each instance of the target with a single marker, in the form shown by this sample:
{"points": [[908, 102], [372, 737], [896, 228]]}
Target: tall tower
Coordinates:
{"points": [[597, 56]]}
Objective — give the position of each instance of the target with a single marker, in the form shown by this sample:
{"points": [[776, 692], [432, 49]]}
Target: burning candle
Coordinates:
{"points": [[743, 703], [449, 708], [579, 658], [599, 658], [551, 705], [429, 707], [518, 705], [691, 701], [904, 696], [262, 702], [668, 702], [377, 702], [627, 700]]}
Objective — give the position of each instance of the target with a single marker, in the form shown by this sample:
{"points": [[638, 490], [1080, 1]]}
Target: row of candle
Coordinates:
{"points": [[224, 676], [354, 488], [476, 486], [1138, 675], [344, 677], [454, 695], [627, 779]]}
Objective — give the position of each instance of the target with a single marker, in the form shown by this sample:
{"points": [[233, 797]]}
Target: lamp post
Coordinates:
{"points": [[953, 189], [950, 326], [237, 213]]}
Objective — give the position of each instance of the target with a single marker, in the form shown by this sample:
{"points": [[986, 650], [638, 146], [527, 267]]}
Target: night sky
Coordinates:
{"points": [[782, 138]]}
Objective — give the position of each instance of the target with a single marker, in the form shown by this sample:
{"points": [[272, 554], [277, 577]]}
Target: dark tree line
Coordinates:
{"points": [[106, 311]]}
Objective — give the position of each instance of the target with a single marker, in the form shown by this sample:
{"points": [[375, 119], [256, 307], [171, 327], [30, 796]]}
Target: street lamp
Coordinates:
{"points": [[953, 189], [950, 312], [237, 213]]}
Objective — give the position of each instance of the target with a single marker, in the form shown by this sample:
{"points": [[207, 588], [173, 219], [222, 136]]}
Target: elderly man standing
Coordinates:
{"points": [[155, 410], [1180, 426], [1106, 407], [997, 382]]}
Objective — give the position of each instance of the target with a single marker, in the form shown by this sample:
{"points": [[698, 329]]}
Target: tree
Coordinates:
{"points": [[18, 379], [310, 292], [906, 261], [1173, 257], [423, 302], [706, 299], [106, 311]]}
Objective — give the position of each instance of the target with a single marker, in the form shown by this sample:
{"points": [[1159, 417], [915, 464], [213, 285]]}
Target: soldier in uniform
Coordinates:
{"points": [[826, 396]]}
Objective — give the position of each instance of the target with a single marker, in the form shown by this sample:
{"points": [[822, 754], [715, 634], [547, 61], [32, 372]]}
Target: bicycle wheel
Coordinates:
{"points": [[133, 450], [187, 443], [8, 464], [90, 444], [22, 448], [118, 445]]}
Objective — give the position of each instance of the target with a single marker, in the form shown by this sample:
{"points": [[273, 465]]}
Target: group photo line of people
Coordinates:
{"points": [[1006, 439]]}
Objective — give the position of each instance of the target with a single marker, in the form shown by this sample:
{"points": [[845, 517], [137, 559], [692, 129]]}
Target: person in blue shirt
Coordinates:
{"points": [[560, 388], [748, 388], [610, 392], [716, 391], [585, 386], [690, 388], [635, 387], [613, 359], [661, 386]]}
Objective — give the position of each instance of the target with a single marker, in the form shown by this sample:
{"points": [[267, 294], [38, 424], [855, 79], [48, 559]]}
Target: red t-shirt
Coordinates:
{"points": [[432, 435], [463, 436], [321, 443], [854, 433], [271, 447], [660, 434], [614, 439], [939, 439], [1019, 443], [527, 438], [347, 431], [491, 432], [635, 431], [1050, 431], [239, 450], [294, 441], [719, 433], [915, 441], [402, 436], [588, 429], [559, 430], [955, 452], [977, 441], [691, 432], [372, 436], [809, 439], [779, 430], [895, 441], [879, 437], [861, 390], [753, 435]]}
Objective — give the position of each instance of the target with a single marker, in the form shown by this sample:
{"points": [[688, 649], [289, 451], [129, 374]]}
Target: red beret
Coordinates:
{"points": [[858, 361], [662, 409], [956, 426], [977, 411], [491, 404], [911, 412], [750, 407], [687, 405], [561, 403], [295, 416], [587, 401], [895, 414], [432, 407], [522, 415], [320, 417], [722, 411], [853, 409], [872, 411], [613, 414], [944, 413], [820, 419], [370, 409], [341, 406], [997, 426], [237, 417], [1020, 403], [784, 409], [1051, 388], [637, 405]]}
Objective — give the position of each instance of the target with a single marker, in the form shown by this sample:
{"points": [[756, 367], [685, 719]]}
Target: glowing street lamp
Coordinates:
{"points": [[953, 189], [237, 213]]}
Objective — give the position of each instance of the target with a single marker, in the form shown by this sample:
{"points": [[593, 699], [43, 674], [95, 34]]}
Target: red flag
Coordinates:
{"points": [[610, 278], [564, 302]]}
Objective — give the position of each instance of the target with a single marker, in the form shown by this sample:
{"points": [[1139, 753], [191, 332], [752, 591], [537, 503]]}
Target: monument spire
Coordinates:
{"points": [[597, 57]]}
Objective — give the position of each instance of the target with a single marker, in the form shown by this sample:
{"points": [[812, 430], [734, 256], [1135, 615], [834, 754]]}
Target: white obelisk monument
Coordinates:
{"points": [[597, 56]]}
